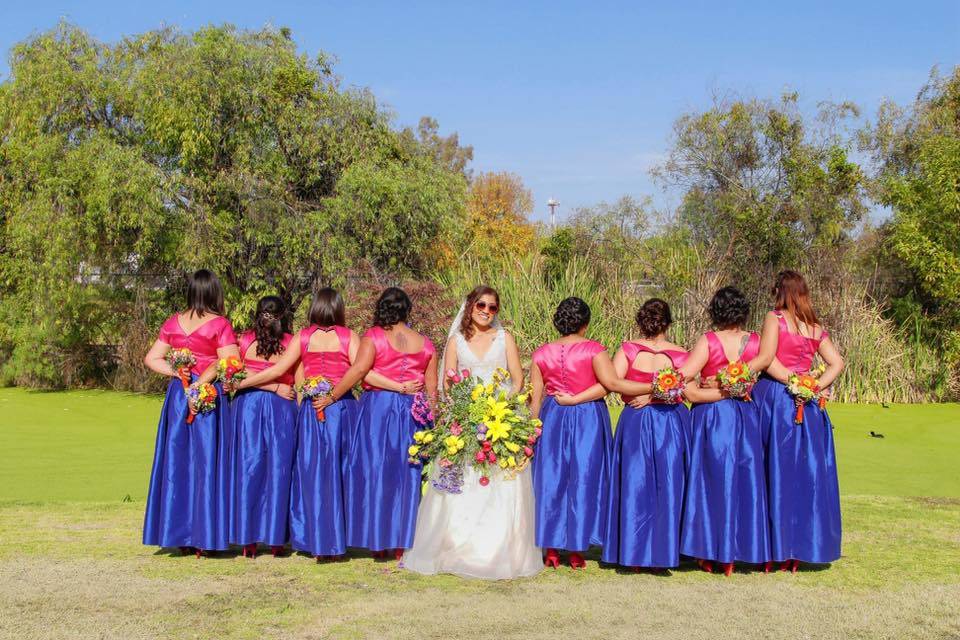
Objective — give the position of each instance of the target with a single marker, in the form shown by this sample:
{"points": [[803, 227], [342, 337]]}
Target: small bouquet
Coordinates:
{"points": [[315, 387], [181, 361], [668, 386], [230, 371], [736, 380], [803, 387], [201, 398]]}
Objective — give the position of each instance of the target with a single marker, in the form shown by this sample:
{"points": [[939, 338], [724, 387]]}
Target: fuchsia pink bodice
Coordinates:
{"points": [[567, 367], [717, 359], [256, 365], [794, 351], [632, 349], [203, 342], [397, 365], [329, 364]]}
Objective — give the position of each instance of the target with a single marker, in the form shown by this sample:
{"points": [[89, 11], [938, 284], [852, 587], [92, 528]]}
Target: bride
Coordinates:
{"points": [[484, 531]]}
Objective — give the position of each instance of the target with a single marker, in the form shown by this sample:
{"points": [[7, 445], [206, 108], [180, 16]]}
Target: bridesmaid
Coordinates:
{"points": [[325, 348], [382, 489], [648, 457], [725, 509], [804, 494], [264, 436], [572, 463], [187, 502]]}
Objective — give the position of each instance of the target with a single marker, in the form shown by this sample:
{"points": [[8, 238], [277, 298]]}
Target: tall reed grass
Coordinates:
{"points": [[882, 363]]}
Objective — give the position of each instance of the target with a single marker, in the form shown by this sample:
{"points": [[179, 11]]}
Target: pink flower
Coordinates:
{"points": [[538, 431], [484, 481], [456, 429], [491, 456], [486, 445], [532, 440], [480, 457], [445, 463], [465, 373], [527, 451], [451, 373]]}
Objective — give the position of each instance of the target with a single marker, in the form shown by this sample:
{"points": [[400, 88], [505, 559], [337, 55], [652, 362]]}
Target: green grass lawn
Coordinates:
{"points": [[72, 566]]}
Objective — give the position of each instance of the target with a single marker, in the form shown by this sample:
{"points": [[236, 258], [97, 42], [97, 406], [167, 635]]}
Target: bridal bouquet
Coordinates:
{"points": [[476, 424], [737, 380]]}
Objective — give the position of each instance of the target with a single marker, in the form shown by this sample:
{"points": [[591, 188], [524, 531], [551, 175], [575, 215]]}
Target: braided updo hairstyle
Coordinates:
{"points": [[393, 307], [571, 315], [654, 317], [270, 322], [729, 308]]}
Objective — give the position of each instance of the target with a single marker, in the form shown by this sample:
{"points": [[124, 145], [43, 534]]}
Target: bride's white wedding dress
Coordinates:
{"points": [[483, 532]]}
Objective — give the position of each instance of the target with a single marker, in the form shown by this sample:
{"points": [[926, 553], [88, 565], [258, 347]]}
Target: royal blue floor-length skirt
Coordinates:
{"points": [[382, 488], [317, 520], [188, 498], [570, 475], [647, 476], [725, 508], [265, 438], [802, 487]]}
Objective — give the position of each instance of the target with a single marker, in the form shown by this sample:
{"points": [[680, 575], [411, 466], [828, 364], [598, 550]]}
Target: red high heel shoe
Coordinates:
{"points": [[277, 550], [186, 551], [768, 566], [795, 566], [398, 554], [250, 550], [785, 565], [378, 555], [577, 561], [728, 569], [705, 565], [552, 559], [200, 553]]}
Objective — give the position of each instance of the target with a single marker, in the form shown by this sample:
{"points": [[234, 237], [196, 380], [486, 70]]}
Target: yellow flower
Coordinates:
{"points": [[537, 423], [497, 410], [477, 390], [503, 463], [511, 462], [451, 451], [521, 398], [413, 450], [428, 438], [497, 430], [418, 436], [512, 446]]}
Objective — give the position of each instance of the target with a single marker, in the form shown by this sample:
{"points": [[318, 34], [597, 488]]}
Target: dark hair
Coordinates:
{"points": [[791, 293], [393, 307], [729, 308], [466, 325], [270, 322], [204, 293], [327, 308], [571, 315], [654, 317]]}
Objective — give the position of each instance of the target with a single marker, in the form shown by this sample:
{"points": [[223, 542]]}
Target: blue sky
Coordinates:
{"points": [[578, 98]]}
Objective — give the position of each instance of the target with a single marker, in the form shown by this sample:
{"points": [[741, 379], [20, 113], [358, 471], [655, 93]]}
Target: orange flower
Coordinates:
{"points": [[735, 369], [234, 362], [808, 382], [669, 381]]}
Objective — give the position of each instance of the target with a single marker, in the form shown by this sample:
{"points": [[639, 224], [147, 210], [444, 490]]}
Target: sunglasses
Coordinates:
{"points": [[483, 306]]}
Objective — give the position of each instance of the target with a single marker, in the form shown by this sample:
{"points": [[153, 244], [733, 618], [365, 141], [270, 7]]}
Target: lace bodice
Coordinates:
{"points": [[494, 358]]}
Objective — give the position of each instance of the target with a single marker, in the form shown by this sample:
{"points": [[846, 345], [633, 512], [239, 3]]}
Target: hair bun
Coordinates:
{"points": [[654, 317]]}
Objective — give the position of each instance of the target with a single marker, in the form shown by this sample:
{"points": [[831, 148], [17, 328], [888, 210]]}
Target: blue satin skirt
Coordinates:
{"points": [[570, 475], [647, 477], [382, 488], [725, 509], [264, 441], [188, 499], [804, 494], [317, 524]]}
